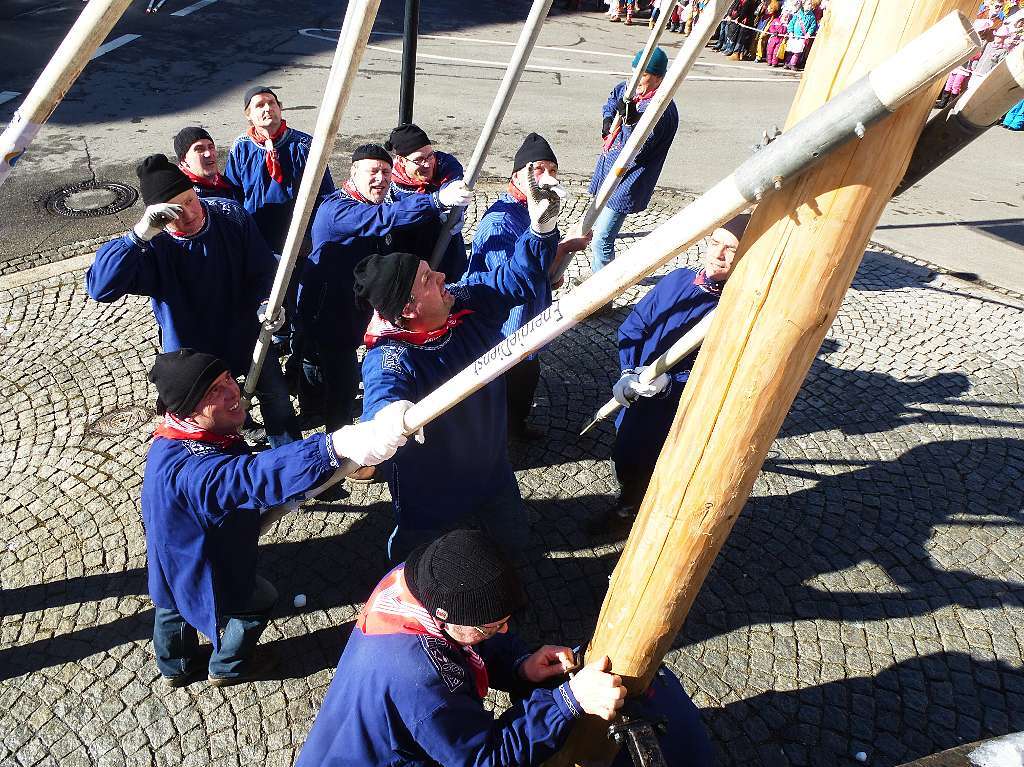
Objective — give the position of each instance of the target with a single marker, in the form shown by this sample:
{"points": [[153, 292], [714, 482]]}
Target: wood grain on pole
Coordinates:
{"points": [[89, 30], [797, 259]]}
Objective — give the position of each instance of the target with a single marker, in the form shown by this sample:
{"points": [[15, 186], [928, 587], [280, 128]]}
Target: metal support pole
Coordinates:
{"points": [[410, 35]]}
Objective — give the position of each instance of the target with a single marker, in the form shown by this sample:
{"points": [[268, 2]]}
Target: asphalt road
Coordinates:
{"points": [[171, 70]]}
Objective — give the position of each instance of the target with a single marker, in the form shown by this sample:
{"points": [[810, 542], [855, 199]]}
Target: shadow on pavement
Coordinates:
{"points": [[914, 708]]}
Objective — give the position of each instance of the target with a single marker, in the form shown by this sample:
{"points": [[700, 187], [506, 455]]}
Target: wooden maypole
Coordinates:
{"points": [[797, 259]]}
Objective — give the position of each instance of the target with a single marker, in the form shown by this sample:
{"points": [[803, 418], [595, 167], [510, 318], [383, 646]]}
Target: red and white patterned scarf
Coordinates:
{"points": [[173, 427], [408, 183], [380, 328], [217, 182], [272, 159], [392, 609], [638, 99]]}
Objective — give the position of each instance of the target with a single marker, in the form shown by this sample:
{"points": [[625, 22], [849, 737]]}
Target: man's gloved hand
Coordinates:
{"points": [[154, 219], [455, 195], [598, 691], [629, 387], [628, 111], [544, 201], [606, 127], [275, 324], [373, 442]]}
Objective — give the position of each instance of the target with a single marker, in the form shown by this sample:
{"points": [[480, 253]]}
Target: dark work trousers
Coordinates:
{"points": [[520, 386]]}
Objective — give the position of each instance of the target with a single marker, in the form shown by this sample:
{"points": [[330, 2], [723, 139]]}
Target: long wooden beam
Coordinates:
{"points": [[797, 259]]}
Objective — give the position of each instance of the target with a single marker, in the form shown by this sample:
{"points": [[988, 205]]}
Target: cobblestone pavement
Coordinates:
{"points": [[869, 598]]}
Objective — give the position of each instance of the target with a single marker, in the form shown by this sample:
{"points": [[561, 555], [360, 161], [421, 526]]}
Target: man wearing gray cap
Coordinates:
{"points": [[679, 301]]}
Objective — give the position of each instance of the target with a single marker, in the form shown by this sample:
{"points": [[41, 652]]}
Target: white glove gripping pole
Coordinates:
{"points": [[516, 65], [710, 17], [91, 29], [677, 352], [875, 96], [634, 80], [968, 117], [355, 31]]}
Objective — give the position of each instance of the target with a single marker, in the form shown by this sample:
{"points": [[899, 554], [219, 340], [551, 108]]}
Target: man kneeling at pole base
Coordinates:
{"points": [[430, 641]]}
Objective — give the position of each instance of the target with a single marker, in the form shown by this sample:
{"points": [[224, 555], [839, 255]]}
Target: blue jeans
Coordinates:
{"points": [[503, 518], [176, 643], [278, 416], [602, 247]]}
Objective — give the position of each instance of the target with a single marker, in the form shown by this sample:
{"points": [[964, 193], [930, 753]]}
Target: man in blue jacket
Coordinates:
{"points": [[678, 302], [634, 191], [267, 162], [359, 220], [429, 642], [495, 244], [197, 158], [206, 270], [202, 498], [421, 169], [422, 334]]}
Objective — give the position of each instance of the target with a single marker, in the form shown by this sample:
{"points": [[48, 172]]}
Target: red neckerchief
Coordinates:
{"points": [[380, 328], [516, 193], [392, 609], [707, 284], [272, 159], [175, 428], [217, 182], [399, 177], [638, 99], [350, 189]]}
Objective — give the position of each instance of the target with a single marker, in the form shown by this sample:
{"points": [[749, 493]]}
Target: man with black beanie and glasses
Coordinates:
{"points": [[428, 644], [207, 270], [421, 169]]}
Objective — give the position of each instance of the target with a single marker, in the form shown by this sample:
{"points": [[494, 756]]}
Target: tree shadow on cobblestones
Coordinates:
{"points": [[911, 709], [892, 540], [885, 272], [334, 570], [859, 402]]}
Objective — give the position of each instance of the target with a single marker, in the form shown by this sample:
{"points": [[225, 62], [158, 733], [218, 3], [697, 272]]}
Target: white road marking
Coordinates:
{"points": [[193, 8], [539, 66], [543, 67], [114, 44], [6, 96]]}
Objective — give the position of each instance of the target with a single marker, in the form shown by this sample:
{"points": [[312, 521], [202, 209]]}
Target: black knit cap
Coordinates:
{"points": [[406, 139], [182, 378], [255, 90], [463, 578], [372, 152], [385, 282], [187, 137], [737, 225], [535, 147], [160, 180]]}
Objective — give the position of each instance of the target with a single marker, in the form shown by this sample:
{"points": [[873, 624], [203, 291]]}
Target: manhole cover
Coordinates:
{"points": [[120, 422], [90, 199]]}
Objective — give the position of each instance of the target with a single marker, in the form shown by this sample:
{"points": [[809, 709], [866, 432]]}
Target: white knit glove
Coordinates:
{"points": [[276, 323], [154, 219], [373, 442], [543, 200], [628, 388], [455, 195]]}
